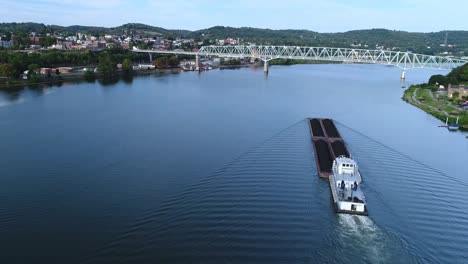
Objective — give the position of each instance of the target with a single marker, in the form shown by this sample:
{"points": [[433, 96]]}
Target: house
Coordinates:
{"points": [[462, 90], [6, 43], [35, 40]]}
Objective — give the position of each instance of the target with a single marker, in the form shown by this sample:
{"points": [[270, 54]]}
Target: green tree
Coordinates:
{"points": [[161, 62], [438, 78], [464, 75], [32, 72], [173, 61], [89, 76], [87, 57], [7, 70], [106, 66], [127, 67], [48, 41]]}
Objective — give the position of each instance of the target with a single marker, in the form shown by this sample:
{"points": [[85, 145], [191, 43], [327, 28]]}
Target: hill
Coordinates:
{"points": [[427, 43]]}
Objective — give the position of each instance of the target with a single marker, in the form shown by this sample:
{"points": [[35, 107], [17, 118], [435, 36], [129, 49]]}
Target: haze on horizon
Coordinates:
{"points": [[317, 15]]}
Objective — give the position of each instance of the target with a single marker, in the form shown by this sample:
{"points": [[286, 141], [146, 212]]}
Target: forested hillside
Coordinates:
{"points": [[427, 43]]}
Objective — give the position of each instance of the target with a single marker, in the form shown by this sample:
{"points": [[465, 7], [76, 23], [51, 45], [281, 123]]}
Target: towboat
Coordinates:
{"points": [[345, 183]]}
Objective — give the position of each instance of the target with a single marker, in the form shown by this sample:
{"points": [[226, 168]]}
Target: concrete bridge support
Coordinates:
{"points": [[197, 62], [150, 57], [403, 75], [265, 67]]}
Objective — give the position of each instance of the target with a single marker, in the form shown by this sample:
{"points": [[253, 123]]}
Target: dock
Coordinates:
{"points": [[328, 144]]}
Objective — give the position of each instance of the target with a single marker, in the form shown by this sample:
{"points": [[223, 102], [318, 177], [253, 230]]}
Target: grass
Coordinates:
{"points": [[427, 102]]}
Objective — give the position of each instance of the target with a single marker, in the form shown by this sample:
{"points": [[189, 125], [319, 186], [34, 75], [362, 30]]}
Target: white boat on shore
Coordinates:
{"points": [[345, 182], [452, 126]]}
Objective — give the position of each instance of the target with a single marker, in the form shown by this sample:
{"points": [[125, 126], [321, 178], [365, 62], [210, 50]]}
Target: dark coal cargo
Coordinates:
{"points": [[317, 130], [330, 128]]}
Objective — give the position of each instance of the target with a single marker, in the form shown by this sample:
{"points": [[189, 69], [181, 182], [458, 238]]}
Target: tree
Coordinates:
{"points": [[173, 61], [32, 72], [161, 62], [439, 79], [455, 95], [89, 76], [464, 75], [47, 41], [7, 70], [106, 66], [87, 57], [127, 67]]}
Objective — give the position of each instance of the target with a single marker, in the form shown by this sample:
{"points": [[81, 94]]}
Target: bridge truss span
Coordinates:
{"points": [[404, 60]]}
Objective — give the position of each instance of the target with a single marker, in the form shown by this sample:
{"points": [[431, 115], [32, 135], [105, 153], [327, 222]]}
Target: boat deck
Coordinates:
{"points": [[328, 145]]}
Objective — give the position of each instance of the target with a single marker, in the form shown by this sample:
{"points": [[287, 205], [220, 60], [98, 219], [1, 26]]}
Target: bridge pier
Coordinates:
{"points": [[150, 57], [265, 67], [197, 62], [403, 75]]}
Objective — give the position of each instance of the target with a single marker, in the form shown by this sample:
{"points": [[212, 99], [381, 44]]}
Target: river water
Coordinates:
{"points": [[218, 167]]}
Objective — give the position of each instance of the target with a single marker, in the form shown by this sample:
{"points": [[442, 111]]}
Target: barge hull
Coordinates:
{"points": [[327, 143]]}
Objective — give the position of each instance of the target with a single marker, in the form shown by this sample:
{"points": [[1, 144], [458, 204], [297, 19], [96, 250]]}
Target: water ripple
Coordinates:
{"points": [[268, 205]]}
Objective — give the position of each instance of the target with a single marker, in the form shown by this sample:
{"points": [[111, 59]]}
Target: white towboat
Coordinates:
{"points": [[345, 182]]}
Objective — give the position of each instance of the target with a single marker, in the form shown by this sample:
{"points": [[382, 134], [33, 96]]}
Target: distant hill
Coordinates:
{"points": [[402, 40]]}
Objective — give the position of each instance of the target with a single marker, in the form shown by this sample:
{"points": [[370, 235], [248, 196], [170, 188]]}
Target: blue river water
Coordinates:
{"points": [[218, 167]]}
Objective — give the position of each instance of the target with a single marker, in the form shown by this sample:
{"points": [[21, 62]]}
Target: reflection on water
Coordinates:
{"points": [[215, 168]]}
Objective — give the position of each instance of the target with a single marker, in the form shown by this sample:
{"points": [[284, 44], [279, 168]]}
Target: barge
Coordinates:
{"points": [[335, 164]]}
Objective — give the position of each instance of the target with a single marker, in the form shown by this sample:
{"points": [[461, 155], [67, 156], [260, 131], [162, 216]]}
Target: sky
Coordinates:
{"points": [[316, 15]]}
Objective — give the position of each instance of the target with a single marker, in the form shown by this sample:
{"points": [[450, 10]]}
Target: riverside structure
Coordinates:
{"points": [[404, 60]]}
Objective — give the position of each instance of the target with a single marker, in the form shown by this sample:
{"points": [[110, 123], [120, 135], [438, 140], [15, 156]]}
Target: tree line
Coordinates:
{"points": [[13, 64], [457, 76]]}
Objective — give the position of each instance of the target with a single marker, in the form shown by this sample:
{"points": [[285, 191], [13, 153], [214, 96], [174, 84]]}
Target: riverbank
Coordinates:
{"points": [[81, 76], [77, 77], [435, 105]]}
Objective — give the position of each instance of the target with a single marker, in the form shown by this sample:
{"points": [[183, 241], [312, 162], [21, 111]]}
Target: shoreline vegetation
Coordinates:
{"points": [[90, 76], [19, 70], [435, 99]]}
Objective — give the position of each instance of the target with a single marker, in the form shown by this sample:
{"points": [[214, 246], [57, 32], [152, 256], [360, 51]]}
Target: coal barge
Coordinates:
{"points": [[334, 162]]}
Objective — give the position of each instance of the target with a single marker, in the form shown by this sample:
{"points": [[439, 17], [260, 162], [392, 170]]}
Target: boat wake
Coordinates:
{"points": [[361, 237]]}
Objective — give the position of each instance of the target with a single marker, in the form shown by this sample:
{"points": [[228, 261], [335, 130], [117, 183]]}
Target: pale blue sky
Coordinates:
{"points": [[317, 15]]}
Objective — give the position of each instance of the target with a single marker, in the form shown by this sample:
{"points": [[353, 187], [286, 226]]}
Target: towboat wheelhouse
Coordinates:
{"points": [[345, 184]]}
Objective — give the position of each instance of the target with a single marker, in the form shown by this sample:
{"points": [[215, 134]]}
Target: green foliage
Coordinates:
{"points": [[173, 61], [401, 40], [33, 67], [7, 70], [438, 79], [165, 62], [106, 66], [456, 76], [57, 58], [127, 67], [89, 76], [232, 62], [48, 41]]}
